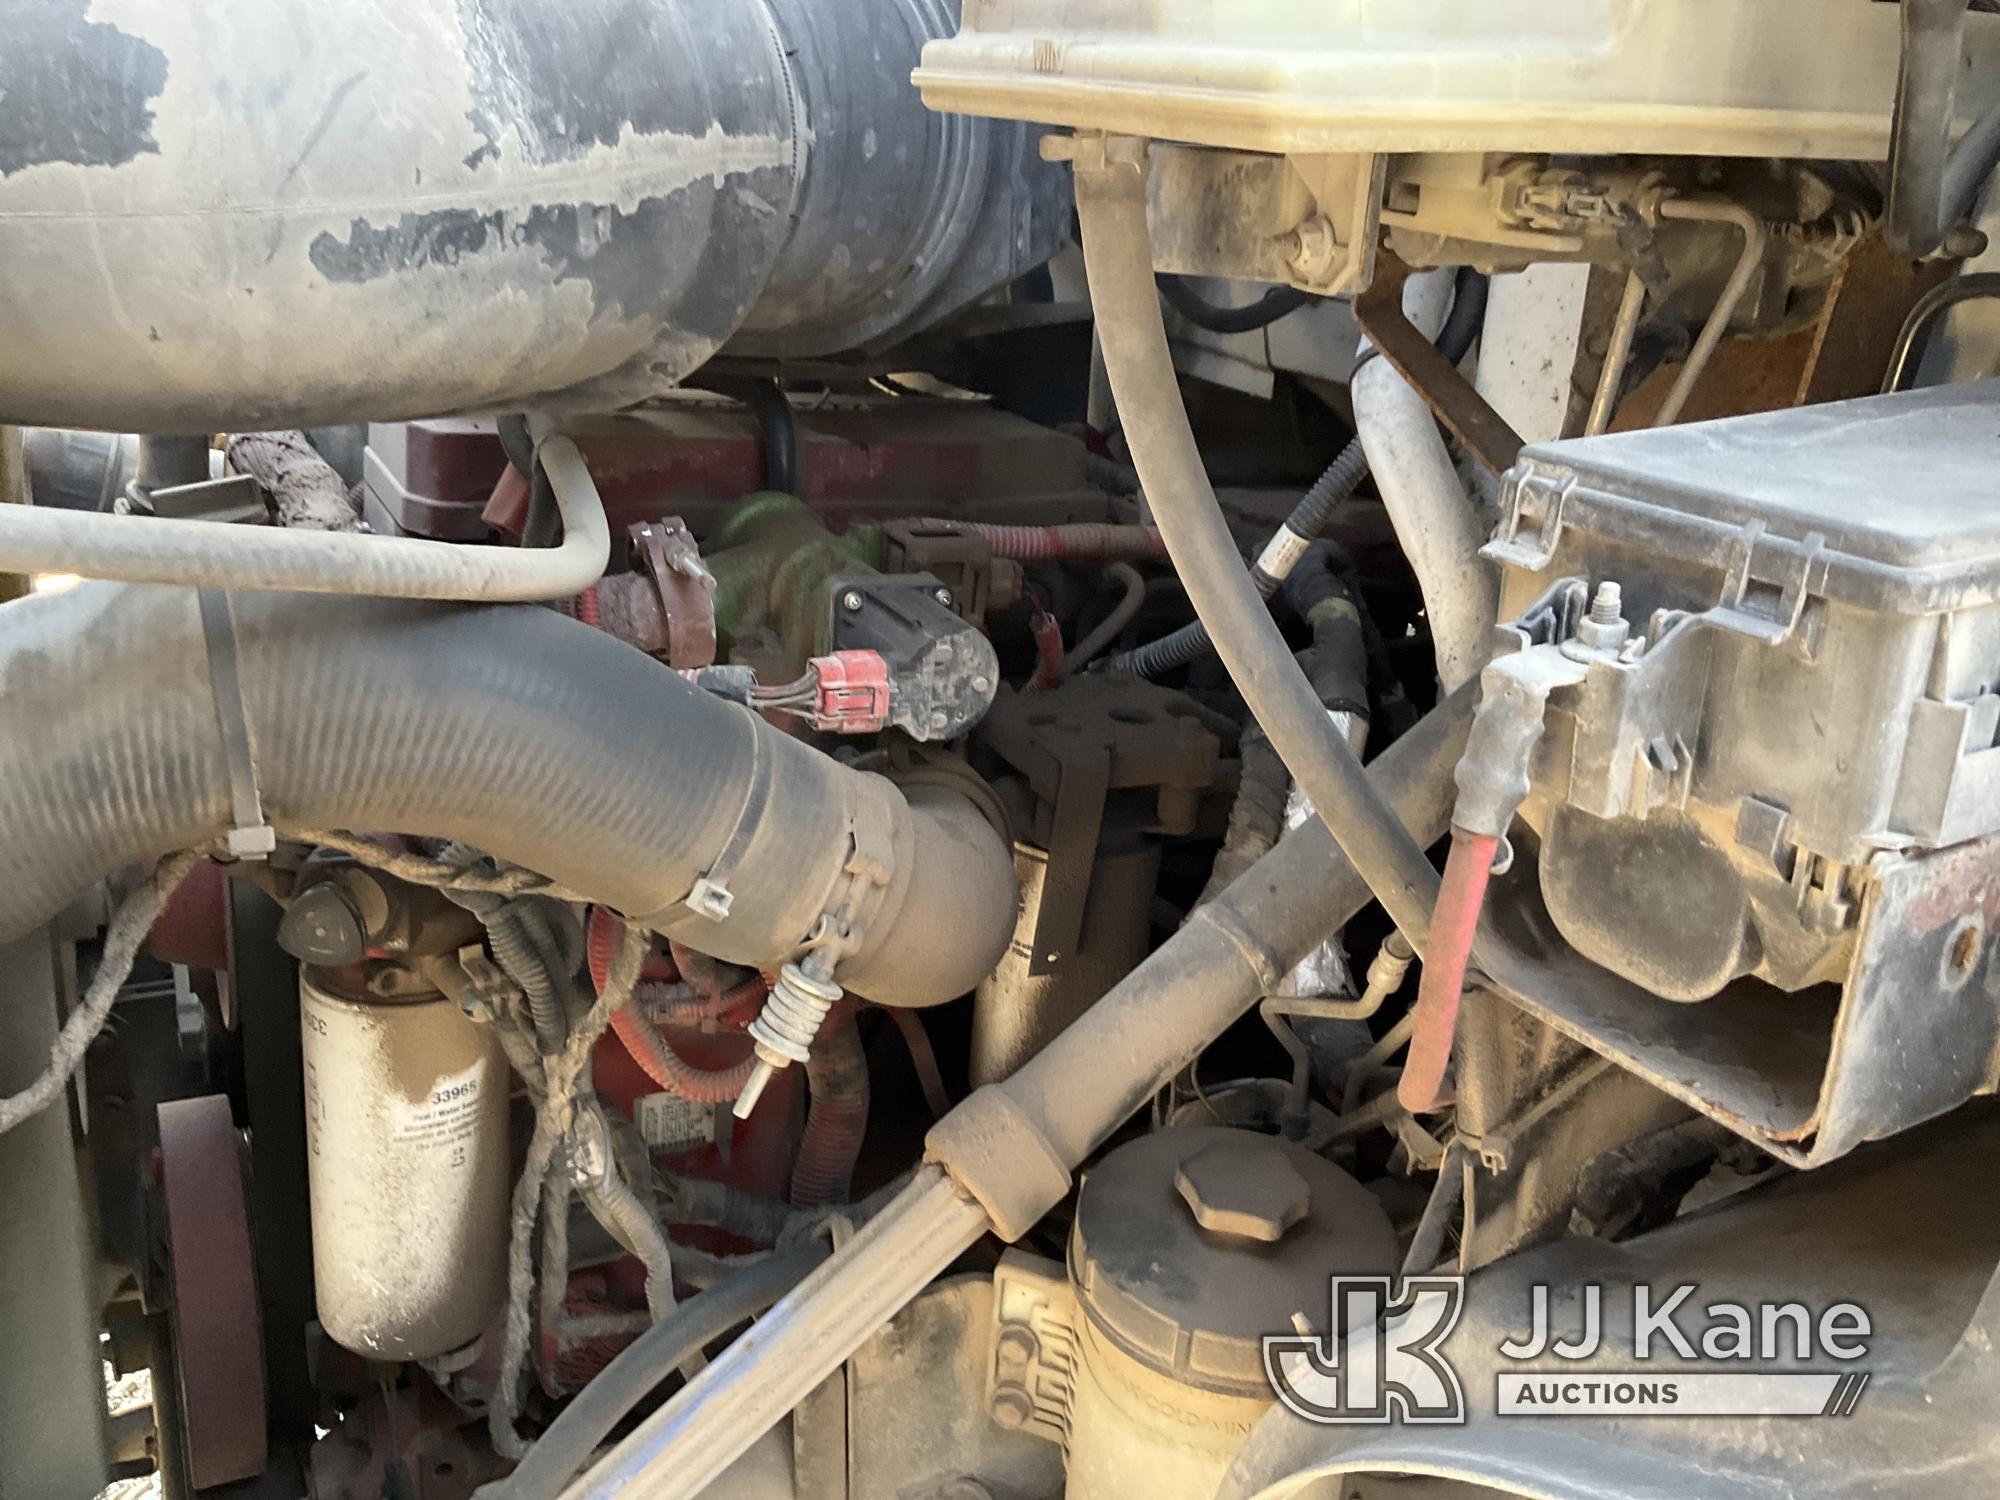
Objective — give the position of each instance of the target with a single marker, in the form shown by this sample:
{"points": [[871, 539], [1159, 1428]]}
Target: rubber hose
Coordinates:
{"points": [[1932, 55], [1131, 600], [1336, 663], [1256, 815], [837, 1120], [1972, 162], [1437, 525], [1180, 648], [778, 433], [154, 549], [1111, 203], [1276, 303], [1469, 290], [1069, 1098], [649, 1048], [517, 442], [544, 519], [545, 743], [1315, 509], [648, 1360], [777, 426]]}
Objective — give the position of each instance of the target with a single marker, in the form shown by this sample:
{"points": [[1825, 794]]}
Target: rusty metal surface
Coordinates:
{"points": [[218, 1332], [1466, 414], [667, 554], [1840, 353]]}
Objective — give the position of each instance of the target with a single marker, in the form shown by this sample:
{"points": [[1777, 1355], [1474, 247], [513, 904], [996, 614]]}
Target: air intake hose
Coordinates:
{"points": [[230, 215], [517, 731]]}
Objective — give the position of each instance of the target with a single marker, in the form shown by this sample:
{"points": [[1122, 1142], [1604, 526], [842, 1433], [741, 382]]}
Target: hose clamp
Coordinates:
{"points": [[252, 837], [710, 895]]}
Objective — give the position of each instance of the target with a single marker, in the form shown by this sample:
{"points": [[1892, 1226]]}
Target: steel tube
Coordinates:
{"points": [[1701, 210]]}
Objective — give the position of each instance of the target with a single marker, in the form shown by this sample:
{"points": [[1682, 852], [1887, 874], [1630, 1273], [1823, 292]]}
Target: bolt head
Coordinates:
{"points": [[1313, 249], [1248, 1189], [943, 596], [851, 600]]}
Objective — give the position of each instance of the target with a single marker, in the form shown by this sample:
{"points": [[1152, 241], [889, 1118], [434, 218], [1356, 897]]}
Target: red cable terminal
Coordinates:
{"points": [[852, 694]]}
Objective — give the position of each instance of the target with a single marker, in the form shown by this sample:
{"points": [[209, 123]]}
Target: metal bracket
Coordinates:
{"points": [[1076, 823], [252, 837], [667, 552], [1466, 414]]}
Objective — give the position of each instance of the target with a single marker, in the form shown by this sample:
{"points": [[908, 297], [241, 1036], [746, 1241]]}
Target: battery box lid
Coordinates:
{"points": [[1885, 502]]}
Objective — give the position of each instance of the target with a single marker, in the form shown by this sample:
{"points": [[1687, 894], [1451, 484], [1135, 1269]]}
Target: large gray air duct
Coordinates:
{"points": [[517, 731], [237, 214]]}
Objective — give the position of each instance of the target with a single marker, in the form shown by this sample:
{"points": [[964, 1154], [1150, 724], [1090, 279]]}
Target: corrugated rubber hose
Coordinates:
{"points": [[547, 744], [837, 1075], [650, 1048]]}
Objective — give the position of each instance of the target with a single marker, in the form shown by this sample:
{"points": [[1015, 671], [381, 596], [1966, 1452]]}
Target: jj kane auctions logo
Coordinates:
{"points": [[1386, 1361]]}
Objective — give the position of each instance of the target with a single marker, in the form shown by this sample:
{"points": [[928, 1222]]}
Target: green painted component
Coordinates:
{"points": [[775, 564]]}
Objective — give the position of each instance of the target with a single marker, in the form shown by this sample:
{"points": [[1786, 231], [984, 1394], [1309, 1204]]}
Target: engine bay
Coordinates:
{"points": [[888, 751]]}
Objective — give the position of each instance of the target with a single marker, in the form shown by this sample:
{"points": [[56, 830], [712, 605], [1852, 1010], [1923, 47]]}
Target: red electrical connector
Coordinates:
{"points": [[851, 692]]}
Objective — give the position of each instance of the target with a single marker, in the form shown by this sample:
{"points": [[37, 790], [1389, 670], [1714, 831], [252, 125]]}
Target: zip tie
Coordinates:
{"points": [[252, 837]]}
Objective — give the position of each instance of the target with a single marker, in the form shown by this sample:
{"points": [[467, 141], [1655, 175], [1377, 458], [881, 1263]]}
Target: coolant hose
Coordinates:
{"points": [[1436, 522], [836, 1121], [650, 1049], [1441, 987], [207, 554], [519, 732], [1111, 203]]}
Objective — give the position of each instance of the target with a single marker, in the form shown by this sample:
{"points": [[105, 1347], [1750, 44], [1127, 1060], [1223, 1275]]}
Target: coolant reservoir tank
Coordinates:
{"points": [[1317, 76], [406, 1134]]}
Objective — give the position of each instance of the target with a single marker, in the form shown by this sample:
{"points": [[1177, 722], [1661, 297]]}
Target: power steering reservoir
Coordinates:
{"points": [[1190, 1245]]}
